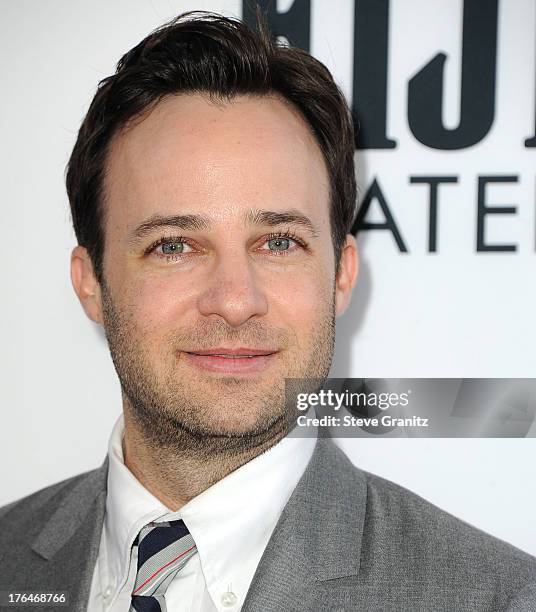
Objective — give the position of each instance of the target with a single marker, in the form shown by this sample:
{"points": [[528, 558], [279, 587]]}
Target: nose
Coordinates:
{"points": [[233, 290]]}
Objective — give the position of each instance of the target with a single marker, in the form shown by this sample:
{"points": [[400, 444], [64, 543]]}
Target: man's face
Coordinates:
{"points": [[218, 242]]}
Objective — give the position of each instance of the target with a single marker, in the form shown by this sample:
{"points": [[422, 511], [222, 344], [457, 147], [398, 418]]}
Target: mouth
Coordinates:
{"points": [[241, 360]]}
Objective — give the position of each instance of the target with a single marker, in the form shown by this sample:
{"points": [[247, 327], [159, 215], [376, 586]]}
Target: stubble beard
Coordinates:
{"points": [[176, 420]]}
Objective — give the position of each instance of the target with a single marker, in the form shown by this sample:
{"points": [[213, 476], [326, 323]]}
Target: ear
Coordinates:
{"points": [[85, 284], [346, 274]]}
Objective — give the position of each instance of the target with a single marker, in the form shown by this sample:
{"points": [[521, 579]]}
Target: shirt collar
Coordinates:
{"points": [[231, 521], [129, 506]]}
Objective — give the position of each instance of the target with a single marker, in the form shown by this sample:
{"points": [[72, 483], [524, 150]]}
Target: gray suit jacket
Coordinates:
{"points": [[347, 541]]}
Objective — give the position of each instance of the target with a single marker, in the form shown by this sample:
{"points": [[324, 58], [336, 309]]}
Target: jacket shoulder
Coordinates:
{"points": [[399, 508], [33, 510], [402, 527]]}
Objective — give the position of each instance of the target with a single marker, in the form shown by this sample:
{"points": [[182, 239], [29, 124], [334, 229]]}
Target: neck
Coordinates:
{"points": [[178, 473]]}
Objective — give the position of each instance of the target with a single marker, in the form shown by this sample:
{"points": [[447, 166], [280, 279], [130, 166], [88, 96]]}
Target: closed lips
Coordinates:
{"points": [[228, 356], [231, 354]]}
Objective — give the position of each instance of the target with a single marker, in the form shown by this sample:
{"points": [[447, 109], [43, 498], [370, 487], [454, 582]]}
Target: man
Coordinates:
{"points": [[212, 191]]}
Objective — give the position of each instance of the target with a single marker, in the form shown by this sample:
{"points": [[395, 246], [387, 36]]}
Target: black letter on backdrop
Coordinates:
{"points": [[434, 182], [484, 209], [371, 28], [374, 192], [477, 108], [531, 142], [294, 25]]}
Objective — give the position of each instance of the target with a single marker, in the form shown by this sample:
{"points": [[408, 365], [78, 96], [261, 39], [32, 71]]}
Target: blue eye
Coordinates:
{"points": [[283, 243], [171, 248], [278, 244]]}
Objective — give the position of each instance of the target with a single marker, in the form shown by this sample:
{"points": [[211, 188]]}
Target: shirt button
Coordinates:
{"points": [[228, 599], [107, 593]]}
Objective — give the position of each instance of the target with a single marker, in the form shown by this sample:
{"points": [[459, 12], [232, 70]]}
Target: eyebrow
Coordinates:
{"points": [[191, 222], [274, 218], [184, 222]]}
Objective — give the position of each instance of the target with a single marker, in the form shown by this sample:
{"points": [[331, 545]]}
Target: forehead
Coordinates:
{"points": [[189, 154]]}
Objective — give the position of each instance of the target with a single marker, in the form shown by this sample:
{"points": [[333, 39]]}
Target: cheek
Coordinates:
{"points": [[157, 303], [300, 299]]}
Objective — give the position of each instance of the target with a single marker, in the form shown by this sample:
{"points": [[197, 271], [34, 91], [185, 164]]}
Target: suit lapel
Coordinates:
{"points": [[69, 516], [317, 538], [68, 544]]}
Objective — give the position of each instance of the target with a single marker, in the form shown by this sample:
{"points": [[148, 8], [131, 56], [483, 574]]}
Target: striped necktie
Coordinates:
{"points": [[163, 550]]}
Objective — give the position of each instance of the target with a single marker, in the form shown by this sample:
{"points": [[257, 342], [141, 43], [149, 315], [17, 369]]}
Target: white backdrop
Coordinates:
{"points": [[453, 313]]}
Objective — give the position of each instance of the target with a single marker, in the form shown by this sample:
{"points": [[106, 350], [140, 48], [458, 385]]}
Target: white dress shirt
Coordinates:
{"points": [[231, 523]]}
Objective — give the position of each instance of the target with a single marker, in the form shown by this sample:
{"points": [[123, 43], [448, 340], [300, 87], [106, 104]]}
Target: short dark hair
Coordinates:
{"points": [[204, 52]]}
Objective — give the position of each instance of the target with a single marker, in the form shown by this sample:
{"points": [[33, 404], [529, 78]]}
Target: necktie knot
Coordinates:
{"points": [[163, 550]]}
